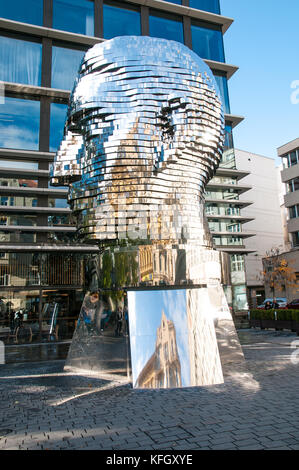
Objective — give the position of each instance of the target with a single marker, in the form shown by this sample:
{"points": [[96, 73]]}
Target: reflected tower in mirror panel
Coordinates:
{"points": [[144, 134]]}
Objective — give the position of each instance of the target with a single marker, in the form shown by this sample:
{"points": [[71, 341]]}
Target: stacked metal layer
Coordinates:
{"points": [[144, 134]]}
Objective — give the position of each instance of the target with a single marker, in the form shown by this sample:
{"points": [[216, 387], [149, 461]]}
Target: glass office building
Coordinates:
{"points": [[41, 45]]}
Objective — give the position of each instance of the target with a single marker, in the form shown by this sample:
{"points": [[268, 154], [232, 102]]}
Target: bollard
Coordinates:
{"points": [[2, 353]]}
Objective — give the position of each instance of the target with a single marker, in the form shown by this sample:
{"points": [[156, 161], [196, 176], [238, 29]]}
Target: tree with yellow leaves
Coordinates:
{"points": [[277, 273]]}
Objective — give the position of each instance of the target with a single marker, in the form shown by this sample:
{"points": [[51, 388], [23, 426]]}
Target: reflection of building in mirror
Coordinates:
{"points": [[163, 369]]}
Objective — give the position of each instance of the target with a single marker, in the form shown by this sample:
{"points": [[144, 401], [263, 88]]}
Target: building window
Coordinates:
{"points": [[207, 42], [60, 203], [177, 2], [212, 209], [293, 158], [293, 185], [221, 81], [233, 210], [233, 227], [76, 16], [65, 66], [206, 5], [295, 237], [20, 164], [163, 25], [57, 121], [119, 20], [25, 220], [294, 211], [237, 263], [58, 220], [228, 159], [19, 124], [30, 11], [20, 61]]}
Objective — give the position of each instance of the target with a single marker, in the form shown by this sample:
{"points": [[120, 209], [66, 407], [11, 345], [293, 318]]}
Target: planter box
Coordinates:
{"points": [[268, 324], [284, 325], [255, 323]]}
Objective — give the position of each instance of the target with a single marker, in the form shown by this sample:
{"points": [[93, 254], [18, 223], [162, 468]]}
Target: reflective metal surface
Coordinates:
{"points": [[144, 134], [100, 342], [178, 338]]}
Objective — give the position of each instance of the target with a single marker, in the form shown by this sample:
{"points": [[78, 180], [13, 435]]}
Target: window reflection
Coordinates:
{"points": [[206, 5], [18, 182], [19, 219], [61, 203], [226, 241], [65, 65], [19, 124], [19, 201], [19, 164], [59, 220], [222, 226], [76, 16], [166, 26], [20, 61], [223, 88], [120, 21], [178, 2], [57, 120], [17, 237], [30, 11], [228, 142], [222, 209], [207, 42]]}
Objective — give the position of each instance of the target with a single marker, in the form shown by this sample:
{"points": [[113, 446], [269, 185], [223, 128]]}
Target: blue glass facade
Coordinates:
{"points": [[207, 42], [119, 21], [20, 61], [29, 11], [206, 5], [57, 120], [76, 16], [223, 88], [19, 124], [178, 2], [166, 26], [65, 65]]}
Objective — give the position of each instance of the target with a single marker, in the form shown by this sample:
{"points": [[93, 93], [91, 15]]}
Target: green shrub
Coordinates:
{"points": [[295, 315], [284, 315], [259, 314]]}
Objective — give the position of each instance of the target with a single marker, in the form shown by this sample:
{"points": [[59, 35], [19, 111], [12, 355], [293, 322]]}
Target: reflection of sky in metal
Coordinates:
{"points": [[145, 313]]}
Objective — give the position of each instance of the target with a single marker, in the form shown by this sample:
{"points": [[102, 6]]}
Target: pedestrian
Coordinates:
{"points": [[119, 321], [268, 305], [274, 303]]}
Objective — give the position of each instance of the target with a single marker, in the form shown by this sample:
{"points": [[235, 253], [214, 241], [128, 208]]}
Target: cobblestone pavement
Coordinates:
{"points": [[44, 408]]}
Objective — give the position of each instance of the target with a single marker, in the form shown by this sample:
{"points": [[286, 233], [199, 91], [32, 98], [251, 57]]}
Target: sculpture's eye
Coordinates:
{"points": [[74, 123], [167, 118], [165, 122]]}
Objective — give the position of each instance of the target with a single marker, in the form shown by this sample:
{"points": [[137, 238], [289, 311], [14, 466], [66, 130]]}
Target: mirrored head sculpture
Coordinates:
{"points": [[143, 136]]}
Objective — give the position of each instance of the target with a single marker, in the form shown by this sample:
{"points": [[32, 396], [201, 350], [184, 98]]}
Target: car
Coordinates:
{"points": [[294, 304], [282, 302]]}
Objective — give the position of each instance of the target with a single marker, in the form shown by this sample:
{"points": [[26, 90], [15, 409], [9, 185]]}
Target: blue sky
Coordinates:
{"points": [[263, 42]]}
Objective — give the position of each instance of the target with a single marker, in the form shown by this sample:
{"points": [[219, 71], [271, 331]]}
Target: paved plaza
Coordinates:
{"points": [[43, 408]]}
